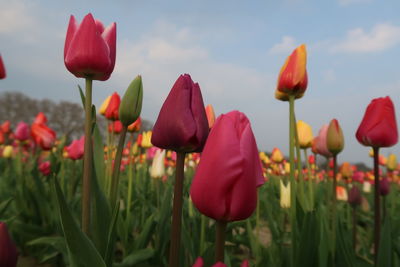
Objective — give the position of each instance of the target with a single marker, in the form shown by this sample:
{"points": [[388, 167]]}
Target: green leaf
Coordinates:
{"points": [[111, 236], [4, 205], [56, 242], [98, 156], [82, 95], [136, 257], [385, 245], [144, 238], [307, 254], [81, 250]]}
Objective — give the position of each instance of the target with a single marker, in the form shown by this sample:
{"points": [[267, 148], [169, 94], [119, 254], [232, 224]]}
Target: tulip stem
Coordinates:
{"points": [[87, 158], [354, 229], [377, 229], [299, 167], [310, 181], [116, 169], [334, 200], [202, 233], [292, 180], [177, 211], [131, 170], [220, 241]]}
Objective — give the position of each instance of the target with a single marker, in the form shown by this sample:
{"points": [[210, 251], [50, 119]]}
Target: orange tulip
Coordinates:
{"points": [[210, 116]]}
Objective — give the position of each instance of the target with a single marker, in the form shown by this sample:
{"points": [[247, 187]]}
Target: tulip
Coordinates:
{"points": [[43, 136], [135, 126], [113, 107], [367, 187], [346, 170], [90, 49], [384, 187], [22, 132], [304, 131], [284, 195], [358, 176], [157, 169], [293, 75], [2, 69], [378, 128], [76, 149], [391, 163], [382, 160], [45, 168], [220, 183], [8, 250], [182, 122], [210, 115], [40, 118], [115, 127], [104, 105], [285, 97], [6, 127], [354, 196], [321, 142], [276, 155], [8, 151], [334, 138], [341, 193], [147, 139], [131, 104]]}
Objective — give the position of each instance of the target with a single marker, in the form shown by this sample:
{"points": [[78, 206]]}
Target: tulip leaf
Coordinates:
{"points": [[137, 257], [82, 95], [307, 255], [98, 156], [81, 250], [385, 245], [56, 242], [4, 205], [111, 236], [147, 231], [344, 250]]}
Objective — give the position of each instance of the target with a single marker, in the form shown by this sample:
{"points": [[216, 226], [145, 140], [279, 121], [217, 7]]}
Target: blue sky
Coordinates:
{"points": [[234, 51]]}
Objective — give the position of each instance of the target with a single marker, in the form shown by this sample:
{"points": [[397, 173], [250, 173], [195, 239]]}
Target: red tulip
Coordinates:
{"points": [[76, 148], [40, 118], [90, 49], [226, 180], [8, 251], [22, 132], [354, 196], [6, 127], [135, 126], [115, 127], [378, 128], [45, 168], [182, 123], [384, 187], [293, 75], [113, 107], [2, 69], [43, 136]]}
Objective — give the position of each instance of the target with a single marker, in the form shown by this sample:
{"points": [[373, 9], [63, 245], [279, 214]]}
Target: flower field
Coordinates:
{"points": [[195, 190]]}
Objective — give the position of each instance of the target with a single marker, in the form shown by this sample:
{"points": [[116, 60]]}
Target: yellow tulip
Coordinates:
{"points": [[104, 105], [146, 139], [304, 131], [284, 195], [7, 151], [391, 162], [276, 155]]}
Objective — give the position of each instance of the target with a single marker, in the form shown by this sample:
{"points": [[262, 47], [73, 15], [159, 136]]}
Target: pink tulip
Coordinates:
{"points": [[22, 132], [229, 172], [43, 136], [45, 168], [8, 251], [76, 148], [2, 69], [321, 143], [90, 49]]}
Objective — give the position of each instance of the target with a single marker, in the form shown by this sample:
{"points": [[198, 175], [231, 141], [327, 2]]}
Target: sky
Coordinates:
{"points": [[233, 50]]}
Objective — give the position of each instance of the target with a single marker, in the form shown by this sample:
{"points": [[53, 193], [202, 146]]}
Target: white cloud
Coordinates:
{"points": [[349, 2], [287, 44], [15, 16], [380, 37]]}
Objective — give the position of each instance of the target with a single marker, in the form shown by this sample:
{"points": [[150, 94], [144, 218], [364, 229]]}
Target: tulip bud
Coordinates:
{"points": [[146, 139], [335, 139], [305, 134], [135, 126], [384, 187], [284, 195], [22, 132], [157, 169], [285, 97], [293, 75], [346, 170], [391, 163], [354, 196], [321, 142], [113, 107], [8, 250], [276, 155], [131, 103], [341, 193], [45, 168], [367, 187], [104, 105], [2, 69], [7, 152], [378, 128]]}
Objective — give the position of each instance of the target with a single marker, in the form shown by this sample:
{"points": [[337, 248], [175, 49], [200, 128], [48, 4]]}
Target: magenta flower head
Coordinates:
{"points": [[8, 251], [182, 124], [225, 184], [2, 69], [384, 187], [22, 132], [354, 196], [90, 49], [76, 148]]}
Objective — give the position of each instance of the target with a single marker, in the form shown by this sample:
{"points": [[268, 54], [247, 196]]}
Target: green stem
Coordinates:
{"points": [[87, 162], [334, 203], [220, 241], [130, 180], [354, 228], [310, 181], [377, 228], [299, 167], [177, 211], [202, 233], [292, 180], [116, 169]]}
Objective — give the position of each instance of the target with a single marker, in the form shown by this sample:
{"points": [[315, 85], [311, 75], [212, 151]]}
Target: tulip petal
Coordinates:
{"points": [[110, 37]]}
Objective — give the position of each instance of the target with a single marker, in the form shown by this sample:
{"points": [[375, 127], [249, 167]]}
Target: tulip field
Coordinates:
{"points": [[195, 190]]}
